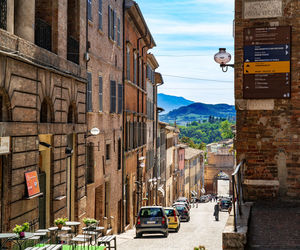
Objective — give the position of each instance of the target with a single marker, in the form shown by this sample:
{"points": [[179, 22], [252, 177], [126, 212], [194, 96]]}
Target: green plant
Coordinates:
{"points": [[61, 221], [200, 248], [88, 221], [21, 228]]}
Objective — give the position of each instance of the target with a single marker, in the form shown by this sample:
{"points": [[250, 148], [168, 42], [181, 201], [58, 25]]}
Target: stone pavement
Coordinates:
{"points": [[274, 225], [201, 230]]}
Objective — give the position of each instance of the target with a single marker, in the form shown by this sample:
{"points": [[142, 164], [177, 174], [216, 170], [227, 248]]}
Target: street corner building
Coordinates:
{"points": [[42, 111]]}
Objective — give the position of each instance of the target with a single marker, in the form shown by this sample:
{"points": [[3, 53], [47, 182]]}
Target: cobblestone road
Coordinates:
{"points": [[201, 230]]}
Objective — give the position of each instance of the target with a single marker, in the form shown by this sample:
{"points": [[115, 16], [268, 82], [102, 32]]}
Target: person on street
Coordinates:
{"points": [[216, 212]]}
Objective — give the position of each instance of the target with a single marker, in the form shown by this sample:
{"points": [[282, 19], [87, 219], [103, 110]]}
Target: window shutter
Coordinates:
{"points": [[109, 21], [120, 98], [100, 94], [114, 25], [134, 68], [89, 92], [100, 25], [89, 3], [119, 32], [112, 96], [128, 64]]}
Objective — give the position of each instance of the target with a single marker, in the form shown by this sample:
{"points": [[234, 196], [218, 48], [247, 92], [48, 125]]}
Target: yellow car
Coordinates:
{"points": [[173, 217]]}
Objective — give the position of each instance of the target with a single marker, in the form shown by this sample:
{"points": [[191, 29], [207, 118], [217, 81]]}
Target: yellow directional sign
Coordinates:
{"points": [[266, 67]]}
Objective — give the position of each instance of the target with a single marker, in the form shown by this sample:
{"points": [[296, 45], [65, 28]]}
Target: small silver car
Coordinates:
{"points": [[151, 219]]}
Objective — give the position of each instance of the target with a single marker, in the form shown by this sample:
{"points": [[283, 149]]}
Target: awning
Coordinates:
{"points": [[194, 193], [161, 190]]}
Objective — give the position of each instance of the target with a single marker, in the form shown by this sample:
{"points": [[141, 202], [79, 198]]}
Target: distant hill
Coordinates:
{"points": [[169, 102], [199, 112]]}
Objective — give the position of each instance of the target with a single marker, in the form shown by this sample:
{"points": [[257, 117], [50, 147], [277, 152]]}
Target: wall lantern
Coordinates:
{"points": [[223, 57]]}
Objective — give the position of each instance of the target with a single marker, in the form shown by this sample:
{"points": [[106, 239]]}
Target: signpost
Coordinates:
{"points": [[267, 63]]}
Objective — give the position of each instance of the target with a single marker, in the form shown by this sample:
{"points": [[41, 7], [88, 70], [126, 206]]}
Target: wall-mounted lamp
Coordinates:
{"points": [[94, 131], [223, 57]]}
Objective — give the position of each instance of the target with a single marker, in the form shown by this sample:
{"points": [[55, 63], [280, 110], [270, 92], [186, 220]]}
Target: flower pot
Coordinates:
{"points": [[22, 234], [59, 226]]}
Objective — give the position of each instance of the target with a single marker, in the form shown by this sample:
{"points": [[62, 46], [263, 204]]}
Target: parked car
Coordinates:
{"points": [[183, 199], [173, 218], [183, 212], [203, 199], [225, 204], [182, 203], [152, 219]]}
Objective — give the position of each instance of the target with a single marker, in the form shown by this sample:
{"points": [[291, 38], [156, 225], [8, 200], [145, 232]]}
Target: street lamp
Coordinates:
{"points": [[223, 57]]}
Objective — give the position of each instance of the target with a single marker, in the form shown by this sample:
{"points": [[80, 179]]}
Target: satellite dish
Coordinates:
{"points": [[95, 131]]}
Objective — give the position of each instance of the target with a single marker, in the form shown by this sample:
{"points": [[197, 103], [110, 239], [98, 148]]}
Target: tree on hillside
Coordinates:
{"points": [[225, 130]]}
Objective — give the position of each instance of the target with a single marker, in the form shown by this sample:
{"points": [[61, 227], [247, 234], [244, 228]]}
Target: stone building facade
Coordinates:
{"points": [[193, 165], [42, 111], [268, 128], [220, 165], [104, 111], [137, 41]]}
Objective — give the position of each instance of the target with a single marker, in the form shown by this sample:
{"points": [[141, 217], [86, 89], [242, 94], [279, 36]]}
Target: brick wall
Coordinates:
{"points": [[268, 129]]}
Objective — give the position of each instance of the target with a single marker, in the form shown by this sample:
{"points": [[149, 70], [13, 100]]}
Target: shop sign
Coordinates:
{"points": [[4, 145], [32, 182], [254, 9]]}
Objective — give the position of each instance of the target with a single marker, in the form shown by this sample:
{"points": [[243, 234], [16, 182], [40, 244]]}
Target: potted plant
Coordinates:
{"points": [[60, 222], [90, 222], [20, 229]]}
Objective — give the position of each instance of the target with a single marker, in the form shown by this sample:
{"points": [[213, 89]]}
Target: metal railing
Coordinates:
{"points": [[237, 192]]}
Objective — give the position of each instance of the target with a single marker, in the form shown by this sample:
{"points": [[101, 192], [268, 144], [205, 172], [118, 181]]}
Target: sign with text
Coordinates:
{"points": [[32, 182], [267, 62], [254, 9], [4, 145]]}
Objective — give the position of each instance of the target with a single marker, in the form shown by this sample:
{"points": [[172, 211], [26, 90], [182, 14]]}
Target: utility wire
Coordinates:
{"points": [[199, 79]]}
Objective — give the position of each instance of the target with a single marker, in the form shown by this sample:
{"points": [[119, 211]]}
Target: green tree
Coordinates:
{"points": [[225, 130]]}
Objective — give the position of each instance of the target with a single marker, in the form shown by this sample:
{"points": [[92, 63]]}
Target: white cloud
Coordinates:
{"points": [[171, 27]]}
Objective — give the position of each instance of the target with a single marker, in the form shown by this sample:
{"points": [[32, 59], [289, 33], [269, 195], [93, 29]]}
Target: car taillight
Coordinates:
{"points": [[163, 221], [138, 221], [185, 211], [174, 213]]}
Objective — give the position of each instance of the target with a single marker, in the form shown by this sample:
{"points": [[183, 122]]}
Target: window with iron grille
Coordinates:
{"points": [[89, 93], [100, 22], [89, 9], [3, 14], [43, 34], [113, 97], [120, 98], [100, 93]]}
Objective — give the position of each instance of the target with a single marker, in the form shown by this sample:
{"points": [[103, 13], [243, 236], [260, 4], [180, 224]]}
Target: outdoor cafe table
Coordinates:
{"points": [[74, 224], [16, 239], [54, 230]]}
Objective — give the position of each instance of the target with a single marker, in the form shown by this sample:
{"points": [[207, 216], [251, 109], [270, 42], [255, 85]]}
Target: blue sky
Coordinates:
{"points": [[188, 33]]}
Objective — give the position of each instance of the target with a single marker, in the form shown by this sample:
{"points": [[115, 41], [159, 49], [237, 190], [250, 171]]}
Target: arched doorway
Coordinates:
{"points": [[222, 184]]}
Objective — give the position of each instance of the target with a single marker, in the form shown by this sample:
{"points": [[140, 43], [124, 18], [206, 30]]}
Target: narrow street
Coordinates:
{"points": [[201, 230]]}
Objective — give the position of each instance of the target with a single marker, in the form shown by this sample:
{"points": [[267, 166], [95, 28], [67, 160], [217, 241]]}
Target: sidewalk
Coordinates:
{"points": [[274, 225]]}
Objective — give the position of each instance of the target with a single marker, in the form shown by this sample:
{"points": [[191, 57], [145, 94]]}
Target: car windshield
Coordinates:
{"points": [[180, 208], [150, 212], [169, 212]]}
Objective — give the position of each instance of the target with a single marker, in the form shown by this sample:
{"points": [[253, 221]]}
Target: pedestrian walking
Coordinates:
{"points": [[216, 212]]}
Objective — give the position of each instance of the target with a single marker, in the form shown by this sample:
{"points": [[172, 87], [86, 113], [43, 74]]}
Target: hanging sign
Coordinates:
{"points": [[32, 182], [267, 64]]}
